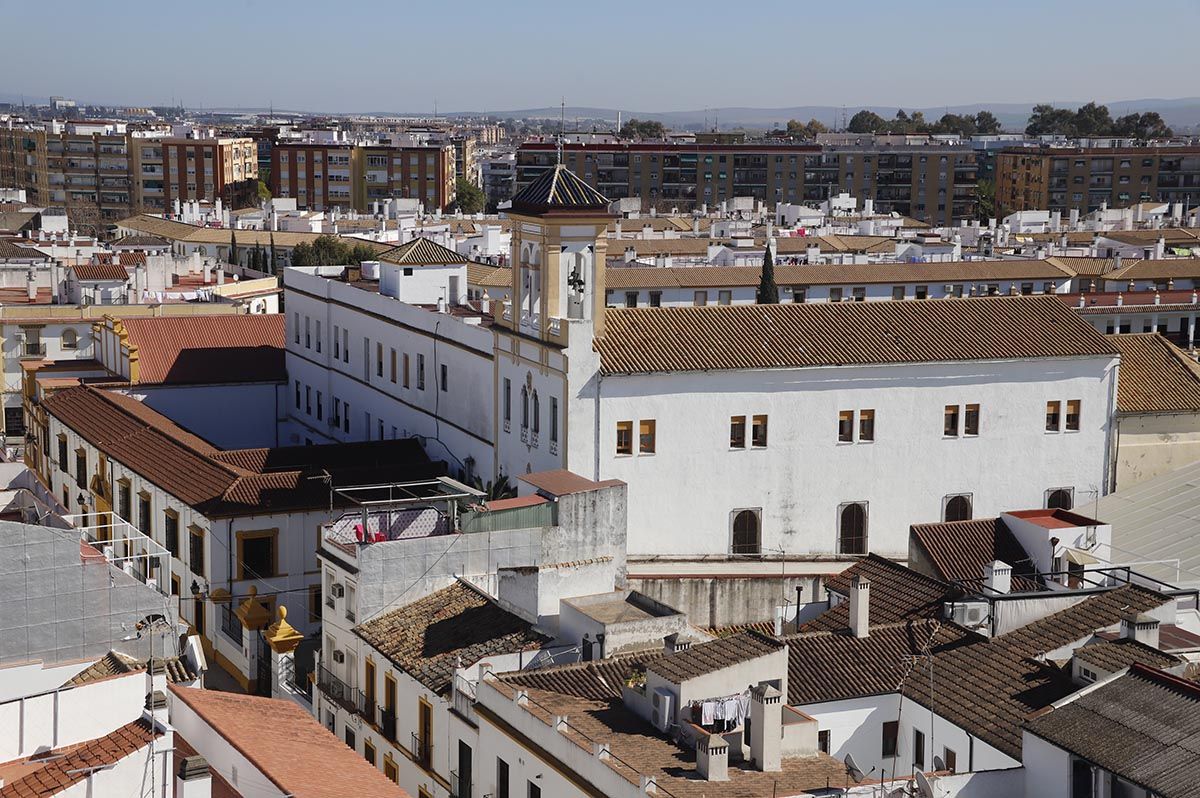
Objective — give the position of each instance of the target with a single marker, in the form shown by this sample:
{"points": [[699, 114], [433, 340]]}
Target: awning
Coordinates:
{"points": [[1080, 557]]}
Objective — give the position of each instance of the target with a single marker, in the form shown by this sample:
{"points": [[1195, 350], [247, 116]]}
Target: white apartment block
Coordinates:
{"points": [[808, 418]]}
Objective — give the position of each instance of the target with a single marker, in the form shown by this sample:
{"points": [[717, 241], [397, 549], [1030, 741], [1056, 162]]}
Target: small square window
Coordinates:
{"points": [[1053, 413], [758, 432], [646, 442], [737, 432], [624, 437]]}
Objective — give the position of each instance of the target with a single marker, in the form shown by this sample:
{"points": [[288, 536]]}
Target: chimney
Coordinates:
{"points": [[860, 597], [193, 779], [997, 577], [220, 277], [1142, 628], [672, 643], [207, 271], [712, 758], [766, 727], [31, 285], [1160, 248]]}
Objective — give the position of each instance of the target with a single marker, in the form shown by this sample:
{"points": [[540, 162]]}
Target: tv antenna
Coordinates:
{"points": [[562, 121]]}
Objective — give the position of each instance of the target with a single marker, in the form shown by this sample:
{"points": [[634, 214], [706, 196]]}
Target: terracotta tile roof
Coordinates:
{"points": [[561, 482], [1083, 266], [101, 269], [422, 252], [426, 638], [648, 340], [558, 189], [992, 686], [20, 296], [1144, 727], [1164, 269], [480, 273], [141, 241], [898, 594], [56, 770], [714, 655], [638, 749], [598, 680], [220, 483], [960, 550], [1110, 303], [194, 234], [1156, 376], [826, 666], [114, 663], [1115, 655], [936, 274], [12, 251], [286, 744], [1173, 236], [228, 348]]}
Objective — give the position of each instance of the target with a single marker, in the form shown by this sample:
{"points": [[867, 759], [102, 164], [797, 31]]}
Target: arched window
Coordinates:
{"points": [[745, 533], [958, 508], [70, 339], [537, 413], [524, 407], [852, 528], [1060, 499]]}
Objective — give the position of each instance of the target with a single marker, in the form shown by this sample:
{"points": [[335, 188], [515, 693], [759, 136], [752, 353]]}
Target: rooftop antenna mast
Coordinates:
{"points": [[562, 120]]}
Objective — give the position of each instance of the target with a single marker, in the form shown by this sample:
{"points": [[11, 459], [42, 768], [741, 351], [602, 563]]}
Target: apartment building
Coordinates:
{"points": [[102, 171], [1084, 178], [339, 174], [931, 183]]}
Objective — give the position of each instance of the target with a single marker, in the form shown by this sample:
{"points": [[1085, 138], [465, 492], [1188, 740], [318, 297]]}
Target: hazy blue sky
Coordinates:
{"points": [[645, 55]]}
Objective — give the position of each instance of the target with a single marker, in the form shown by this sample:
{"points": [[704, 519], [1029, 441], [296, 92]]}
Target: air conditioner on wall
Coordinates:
{"points": [[662, 705], [339, 656], [337, 590]]}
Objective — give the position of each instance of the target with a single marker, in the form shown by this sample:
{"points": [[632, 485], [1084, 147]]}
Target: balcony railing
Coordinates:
{"points": [[387, 723], [460, 787], [34, 349], [339, 692], [464, 698], [422, 751]]}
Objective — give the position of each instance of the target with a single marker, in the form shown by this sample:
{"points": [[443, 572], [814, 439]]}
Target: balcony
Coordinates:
{"points": [[339, 692], [33, 349], [464, 698], [421, 751], [460, 787], [125, 546], [387, 723]]}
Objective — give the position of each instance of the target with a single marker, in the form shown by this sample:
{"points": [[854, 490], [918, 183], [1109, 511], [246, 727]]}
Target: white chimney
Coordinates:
{"points": [[712, 758], [1142, 628], [31, 285], [193, 779], [1160, 248], [997, 577], [220, 277], [766, 728], [207, 271], [860, 598]]}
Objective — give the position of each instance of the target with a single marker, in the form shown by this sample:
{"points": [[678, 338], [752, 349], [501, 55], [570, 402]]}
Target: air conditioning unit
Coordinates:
{"points": [[663, 702], [968, 615], [339, 656], [337, 590]]}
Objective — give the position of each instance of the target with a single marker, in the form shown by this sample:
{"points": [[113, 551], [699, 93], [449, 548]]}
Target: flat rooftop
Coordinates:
{"points": [[619, 606]]}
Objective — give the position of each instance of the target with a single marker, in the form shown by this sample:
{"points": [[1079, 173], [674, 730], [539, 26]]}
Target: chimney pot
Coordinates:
{"points": [[860, 596], [1143, 628]]}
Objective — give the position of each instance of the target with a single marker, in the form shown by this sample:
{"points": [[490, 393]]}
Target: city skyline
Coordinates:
{"points": [[759, 62]]}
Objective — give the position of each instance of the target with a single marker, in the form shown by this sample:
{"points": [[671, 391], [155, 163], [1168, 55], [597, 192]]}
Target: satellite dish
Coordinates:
{"points": [[853, 769], [938, 764], [924, 788]]}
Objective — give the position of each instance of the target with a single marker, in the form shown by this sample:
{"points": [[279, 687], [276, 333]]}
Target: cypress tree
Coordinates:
{"points": [[233, 250], [768, 292]]}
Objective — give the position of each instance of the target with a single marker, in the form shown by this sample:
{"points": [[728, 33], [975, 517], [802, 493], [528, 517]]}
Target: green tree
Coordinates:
{"points": [[264, 193], [328, 250], [1047, 120], [1093, 120], [273, 261], [768, 291], [986, 124], [643, 129], [953, 124], [866, 122], [805, 130], [233, 247], [1142, 126], [468, 197], [985, 199]]}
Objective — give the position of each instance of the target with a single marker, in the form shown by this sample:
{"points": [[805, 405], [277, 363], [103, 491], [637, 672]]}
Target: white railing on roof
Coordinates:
{"points": [[125, 546]]}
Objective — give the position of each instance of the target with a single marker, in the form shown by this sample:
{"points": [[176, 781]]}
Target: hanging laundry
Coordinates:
{"points": [[708, 713]]}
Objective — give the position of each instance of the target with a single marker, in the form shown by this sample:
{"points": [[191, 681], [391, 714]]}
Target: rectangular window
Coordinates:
{"points": [[297, 394], [144, 514], [971, 420], [369, 751], [1053, 411], [897, 292], [950, 422], [631, 299], [445, 377], [823, 741], [390, 770], [737, 432], [1073, 414], [337, 346], [318, 347], [758, 432], [950, 759], [296, 325], [700, 298], [922, 292], [124, 499], [918, 749], [420, 372], [656, 299], [502, 787], [307, 332], [256, 555], [405, 369], [891, 732], [835, 294], [171, 532], [646, 436], [346, 417], [345, 346], [846, 426], [724, 297], [800, 294], [866, 425], [378, 359], [624, 437], [81, 468], [308, 399], [534, 791], [62, 452], [196, 550], [392, 366], [554, 419]]}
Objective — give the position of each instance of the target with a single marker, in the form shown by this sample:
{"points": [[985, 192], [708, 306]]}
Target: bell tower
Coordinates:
{"points": [[559, 246]]}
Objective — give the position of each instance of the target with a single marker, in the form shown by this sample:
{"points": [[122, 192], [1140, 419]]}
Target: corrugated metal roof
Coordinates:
{"points": [[1157, 519], [725, 337]]}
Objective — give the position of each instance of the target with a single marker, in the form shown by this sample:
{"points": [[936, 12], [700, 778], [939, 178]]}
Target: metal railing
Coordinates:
{"points": [[339, 692], [422, 751], [460, 787], [387, 723]]}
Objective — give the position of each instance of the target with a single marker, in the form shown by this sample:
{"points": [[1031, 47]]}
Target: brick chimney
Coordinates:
{"points": [[766, 727], [1142, 628], [860, 598]]}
